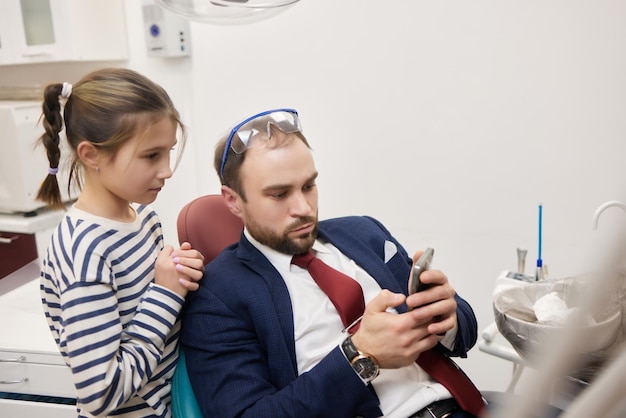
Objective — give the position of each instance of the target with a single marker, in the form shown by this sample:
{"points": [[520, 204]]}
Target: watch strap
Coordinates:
{"points": [[349, 349], [363, 364]]}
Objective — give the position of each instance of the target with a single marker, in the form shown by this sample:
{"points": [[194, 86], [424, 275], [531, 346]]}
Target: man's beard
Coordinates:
{"points": [[281, 241]]}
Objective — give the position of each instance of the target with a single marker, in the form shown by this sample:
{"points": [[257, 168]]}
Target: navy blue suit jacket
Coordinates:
{"points": [[238, 332]]}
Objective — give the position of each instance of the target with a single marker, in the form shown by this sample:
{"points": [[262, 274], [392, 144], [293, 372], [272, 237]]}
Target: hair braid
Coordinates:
{"points": [[49, 191]]}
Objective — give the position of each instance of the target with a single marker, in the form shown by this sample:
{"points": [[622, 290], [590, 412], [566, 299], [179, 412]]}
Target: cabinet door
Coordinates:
{"points": [[16, 250], [38, 30], [7, 45], [25, 409], [62, 30], [36, 379]]}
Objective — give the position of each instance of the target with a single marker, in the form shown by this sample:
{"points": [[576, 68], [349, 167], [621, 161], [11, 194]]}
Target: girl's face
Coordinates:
{"points": [[137, 171]]}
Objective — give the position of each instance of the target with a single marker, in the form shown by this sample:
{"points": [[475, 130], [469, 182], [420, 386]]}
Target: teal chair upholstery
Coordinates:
{"points": [[184, 404], [209, 226]]}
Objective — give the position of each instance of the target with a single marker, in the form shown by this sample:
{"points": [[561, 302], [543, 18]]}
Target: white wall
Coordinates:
{"points": [[449, 121]]}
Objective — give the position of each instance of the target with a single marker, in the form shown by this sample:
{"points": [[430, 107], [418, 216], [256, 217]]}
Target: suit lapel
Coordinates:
{"points": [[249, 255], [369, 259]]}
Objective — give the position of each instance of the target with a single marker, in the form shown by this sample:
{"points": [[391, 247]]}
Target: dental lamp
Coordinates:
{"points": [[226, 12]]}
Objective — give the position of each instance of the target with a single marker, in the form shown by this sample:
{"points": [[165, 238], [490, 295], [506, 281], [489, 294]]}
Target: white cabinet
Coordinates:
{"points": [[34, 380], [36, 31], [30, 363]]}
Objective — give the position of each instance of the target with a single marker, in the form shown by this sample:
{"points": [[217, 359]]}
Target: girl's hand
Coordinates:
{"points": [[190, 266], [166, 272]]}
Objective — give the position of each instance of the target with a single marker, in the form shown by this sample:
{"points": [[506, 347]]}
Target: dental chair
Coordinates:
{"points": [[209, 226]]}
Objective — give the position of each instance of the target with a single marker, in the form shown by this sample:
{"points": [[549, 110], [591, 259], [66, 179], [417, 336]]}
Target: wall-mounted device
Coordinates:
{"points": [[23, 163], [167, 34]]}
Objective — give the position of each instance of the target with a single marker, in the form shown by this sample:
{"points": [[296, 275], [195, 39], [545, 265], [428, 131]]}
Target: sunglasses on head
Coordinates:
{"points": [[245, 133]]}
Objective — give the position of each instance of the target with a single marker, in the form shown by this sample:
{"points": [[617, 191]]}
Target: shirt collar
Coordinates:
{"points": [[280, 260]]}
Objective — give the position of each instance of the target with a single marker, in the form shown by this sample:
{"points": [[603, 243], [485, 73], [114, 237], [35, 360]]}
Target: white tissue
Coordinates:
{"points": [[552, 309]]}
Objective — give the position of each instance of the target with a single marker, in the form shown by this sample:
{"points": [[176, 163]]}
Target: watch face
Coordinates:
{"points": [[365, 367]]}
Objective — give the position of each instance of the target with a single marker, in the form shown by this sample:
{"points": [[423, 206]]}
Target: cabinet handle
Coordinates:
{"points": [[36, 54], [20, 359], [14, 382], [8, 240]]}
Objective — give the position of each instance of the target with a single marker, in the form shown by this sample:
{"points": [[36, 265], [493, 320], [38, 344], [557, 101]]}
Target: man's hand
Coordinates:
{"points": [[435, 304], [394, 340]]}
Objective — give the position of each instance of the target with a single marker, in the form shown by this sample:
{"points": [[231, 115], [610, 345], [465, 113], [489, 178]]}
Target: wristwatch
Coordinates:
{"points": [[365, 365]]}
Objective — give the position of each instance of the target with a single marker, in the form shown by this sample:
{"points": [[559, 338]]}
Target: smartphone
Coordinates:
{"points": [[421, 265]]}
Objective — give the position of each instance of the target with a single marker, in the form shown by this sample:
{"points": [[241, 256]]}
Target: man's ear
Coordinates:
{"points": [[233, 201], [89, 155]]}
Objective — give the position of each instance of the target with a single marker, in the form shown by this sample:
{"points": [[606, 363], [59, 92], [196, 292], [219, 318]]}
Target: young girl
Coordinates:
{"points": [[111, 290]]}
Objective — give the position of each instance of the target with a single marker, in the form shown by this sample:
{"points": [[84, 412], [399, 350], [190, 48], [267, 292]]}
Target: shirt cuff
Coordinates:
{"points": [[449, 338]]}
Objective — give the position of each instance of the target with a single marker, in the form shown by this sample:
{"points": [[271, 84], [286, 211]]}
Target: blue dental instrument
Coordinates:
{"points": [[539, 274]]}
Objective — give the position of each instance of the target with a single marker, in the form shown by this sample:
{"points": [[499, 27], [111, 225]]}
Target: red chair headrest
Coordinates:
{"points": [[208, 225]]}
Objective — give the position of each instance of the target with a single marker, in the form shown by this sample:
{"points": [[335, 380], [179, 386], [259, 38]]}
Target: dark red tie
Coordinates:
{"points": [[446, 372], [347, 296], [344, 292]]}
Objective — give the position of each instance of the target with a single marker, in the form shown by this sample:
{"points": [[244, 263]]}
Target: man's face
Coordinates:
{"points": [[281, 206]]}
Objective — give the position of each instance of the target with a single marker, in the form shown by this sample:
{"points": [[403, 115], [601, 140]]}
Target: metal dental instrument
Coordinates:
{"points": [[521, 260]]}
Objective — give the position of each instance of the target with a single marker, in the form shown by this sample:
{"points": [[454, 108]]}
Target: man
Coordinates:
{"points": [[263, 339]]}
